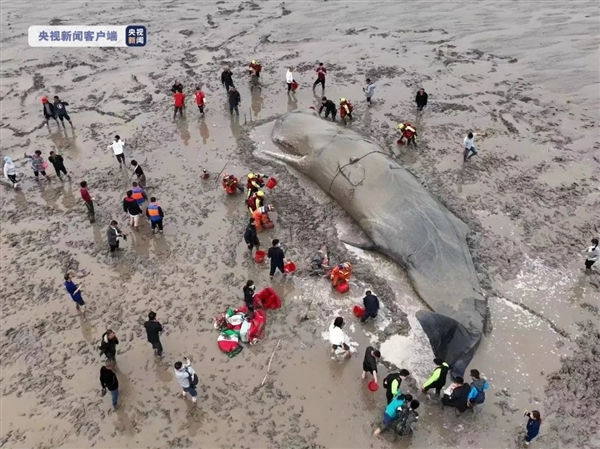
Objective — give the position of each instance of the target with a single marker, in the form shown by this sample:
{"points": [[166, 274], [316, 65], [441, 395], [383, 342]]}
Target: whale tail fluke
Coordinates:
{"points": [[450, 340]]}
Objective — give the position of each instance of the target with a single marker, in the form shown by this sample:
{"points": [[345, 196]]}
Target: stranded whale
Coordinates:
{"points": [[403, 220]]}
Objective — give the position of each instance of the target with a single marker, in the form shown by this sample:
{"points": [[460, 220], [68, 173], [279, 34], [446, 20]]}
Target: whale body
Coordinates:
{"points": [[403, 220]]}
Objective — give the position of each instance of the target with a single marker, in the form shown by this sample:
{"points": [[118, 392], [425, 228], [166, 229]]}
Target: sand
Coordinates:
{"points": [[526, 74]]}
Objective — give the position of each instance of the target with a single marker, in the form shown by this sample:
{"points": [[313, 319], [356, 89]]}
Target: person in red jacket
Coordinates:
{"points": [[88, 200], [345, 110], [321, 72], [255, 68], [179, 98], [200, 97]]}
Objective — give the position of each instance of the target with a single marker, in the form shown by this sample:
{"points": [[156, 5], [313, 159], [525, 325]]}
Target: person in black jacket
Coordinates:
{"points": [[234, 100], [48, 111], [392, 383], [227, 78], [153, 330], [458, 395], [329, 107], [249, 295], [60, 107], [421, 99], [59, 164], [277, 257], [371, 303], [109, 381], [177, 87], [250, 235], [108, 345], [133, 209]]}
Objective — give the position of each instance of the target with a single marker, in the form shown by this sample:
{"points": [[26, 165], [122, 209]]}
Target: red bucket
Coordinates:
{"points": [[295, 86], [259, 257], [358, 311], [343, 287], [269, 225], [289, 267], [373, 386], [271, 182]]}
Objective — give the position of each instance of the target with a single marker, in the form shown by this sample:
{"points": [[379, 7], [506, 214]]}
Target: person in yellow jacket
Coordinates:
{"points": [[409, 133], [255, 182], [437, 379], [256, 200]]}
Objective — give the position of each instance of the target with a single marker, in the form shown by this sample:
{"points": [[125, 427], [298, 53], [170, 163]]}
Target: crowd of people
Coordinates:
{"points": [[400, 412]]}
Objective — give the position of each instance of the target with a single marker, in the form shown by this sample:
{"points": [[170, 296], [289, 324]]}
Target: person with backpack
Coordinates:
{"points": [[392, 383], [407, 416], [478, 387], [187, 378], [391, 411], [438, 377]]}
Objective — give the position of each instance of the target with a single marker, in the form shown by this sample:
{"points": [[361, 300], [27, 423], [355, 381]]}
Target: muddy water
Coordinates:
{"points": [[527, 75]]}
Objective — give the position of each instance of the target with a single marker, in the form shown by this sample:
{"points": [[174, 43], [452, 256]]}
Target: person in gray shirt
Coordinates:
{"points": [[113, 234]]}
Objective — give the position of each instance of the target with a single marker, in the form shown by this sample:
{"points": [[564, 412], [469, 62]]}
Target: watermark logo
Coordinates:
{"points": [[88, 36]]}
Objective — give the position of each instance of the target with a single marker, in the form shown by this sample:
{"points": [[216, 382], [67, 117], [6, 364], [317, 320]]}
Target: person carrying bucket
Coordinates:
{"points": [[255, 201], [255, 183], [341, 274], [261, 218]]}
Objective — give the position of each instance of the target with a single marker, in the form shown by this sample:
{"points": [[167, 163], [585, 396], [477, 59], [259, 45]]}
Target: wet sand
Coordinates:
{"points": [[526, 74]]}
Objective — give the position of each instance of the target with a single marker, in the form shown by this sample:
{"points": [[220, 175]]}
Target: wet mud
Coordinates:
{"points": [[527, 77]]}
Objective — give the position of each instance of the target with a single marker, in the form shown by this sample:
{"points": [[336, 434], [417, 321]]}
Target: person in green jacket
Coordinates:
{"points": [[438, 377]]}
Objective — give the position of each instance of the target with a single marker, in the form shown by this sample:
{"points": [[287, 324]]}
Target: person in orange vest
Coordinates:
{"points": [[255, 201], [255, 183], [345, 109], [261, 217], [138, 193], [155, 214], [255, 68], [409, 133], [341, 273], [231, 184]]}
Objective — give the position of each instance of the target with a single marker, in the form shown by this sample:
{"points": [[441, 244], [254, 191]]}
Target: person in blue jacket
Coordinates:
{"points": [[533, 425], [478, 387], [391, 411]]}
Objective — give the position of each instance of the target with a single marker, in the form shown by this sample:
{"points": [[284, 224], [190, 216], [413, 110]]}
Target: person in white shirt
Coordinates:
{"points": [[187, 378], [337, 338], [469, 145], [117, 147], [593, 254], [289, 79]]}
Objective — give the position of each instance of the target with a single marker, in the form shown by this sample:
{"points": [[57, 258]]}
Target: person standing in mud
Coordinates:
{"points": [[177, 87], [227, 79], [117, 147], [48, 111], [38, 165], [392, 383], [187, 379], [179, 103], [321, 72], [592, 256], [155, 214], [369, 91], [108, 345], [75, 291], [109, 381], [88, 200], [113, 235], [153, 330], [59, 164], [251, 236], [200, 100], [421, 99], [534, 422], [338, 338], [61, 111], [330, 108], [277, 257], [289, 79], [249, 295], [10, 171], [132, 208], [370, 363], [137, 171], [437, 379], [234, 101], [469, 145]]}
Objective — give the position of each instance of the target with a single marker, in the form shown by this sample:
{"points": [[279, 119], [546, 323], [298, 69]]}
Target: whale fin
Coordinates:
{"points": [[367, 246], [294, 161]]}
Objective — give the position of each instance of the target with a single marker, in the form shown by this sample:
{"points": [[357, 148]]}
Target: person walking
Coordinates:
{"points": [[109, 381], [234, 100], [251, 236], [58, 163], [48, 111], [139, 194], [227, 79], [117, 147], [289, 79], [153, 330], [179, 103], [321, 72], [108, 345], [187, 379], [75, 291], [534, 421], [371, 303], [113, 235], [277, 257], [10, 171], [469, 145], [370, 362], [337, 338], [437, 379], [155, 214], [88, 200], [132, 209], [248, 290], [330, 108], [369, 91], [392, 383], [38, 165], [61, 111], [139, 173], [421, 99], [592, 256], [200, 100], [177, 87]]}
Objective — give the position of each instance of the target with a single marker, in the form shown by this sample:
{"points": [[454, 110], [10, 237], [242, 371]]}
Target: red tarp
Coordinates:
{"points": [[267, 299]]}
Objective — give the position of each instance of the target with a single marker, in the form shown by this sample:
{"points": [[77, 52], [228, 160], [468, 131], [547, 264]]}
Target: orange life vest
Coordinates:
{"points": [[138, 195]]}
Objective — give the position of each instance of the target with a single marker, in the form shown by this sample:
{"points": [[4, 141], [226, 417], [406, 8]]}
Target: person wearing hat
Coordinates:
{"points": [[345, 109], [329, 107], [255, 68], [408, 132], [10, 171], [255, 183], [230, 184], [341, 273], [255, 201], [369, 90], [261, 217], [48, 111]]}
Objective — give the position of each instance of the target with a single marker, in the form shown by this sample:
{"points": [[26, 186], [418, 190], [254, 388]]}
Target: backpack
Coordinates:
{"points": [[406, 419], [480, 398], [193, 379]]}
